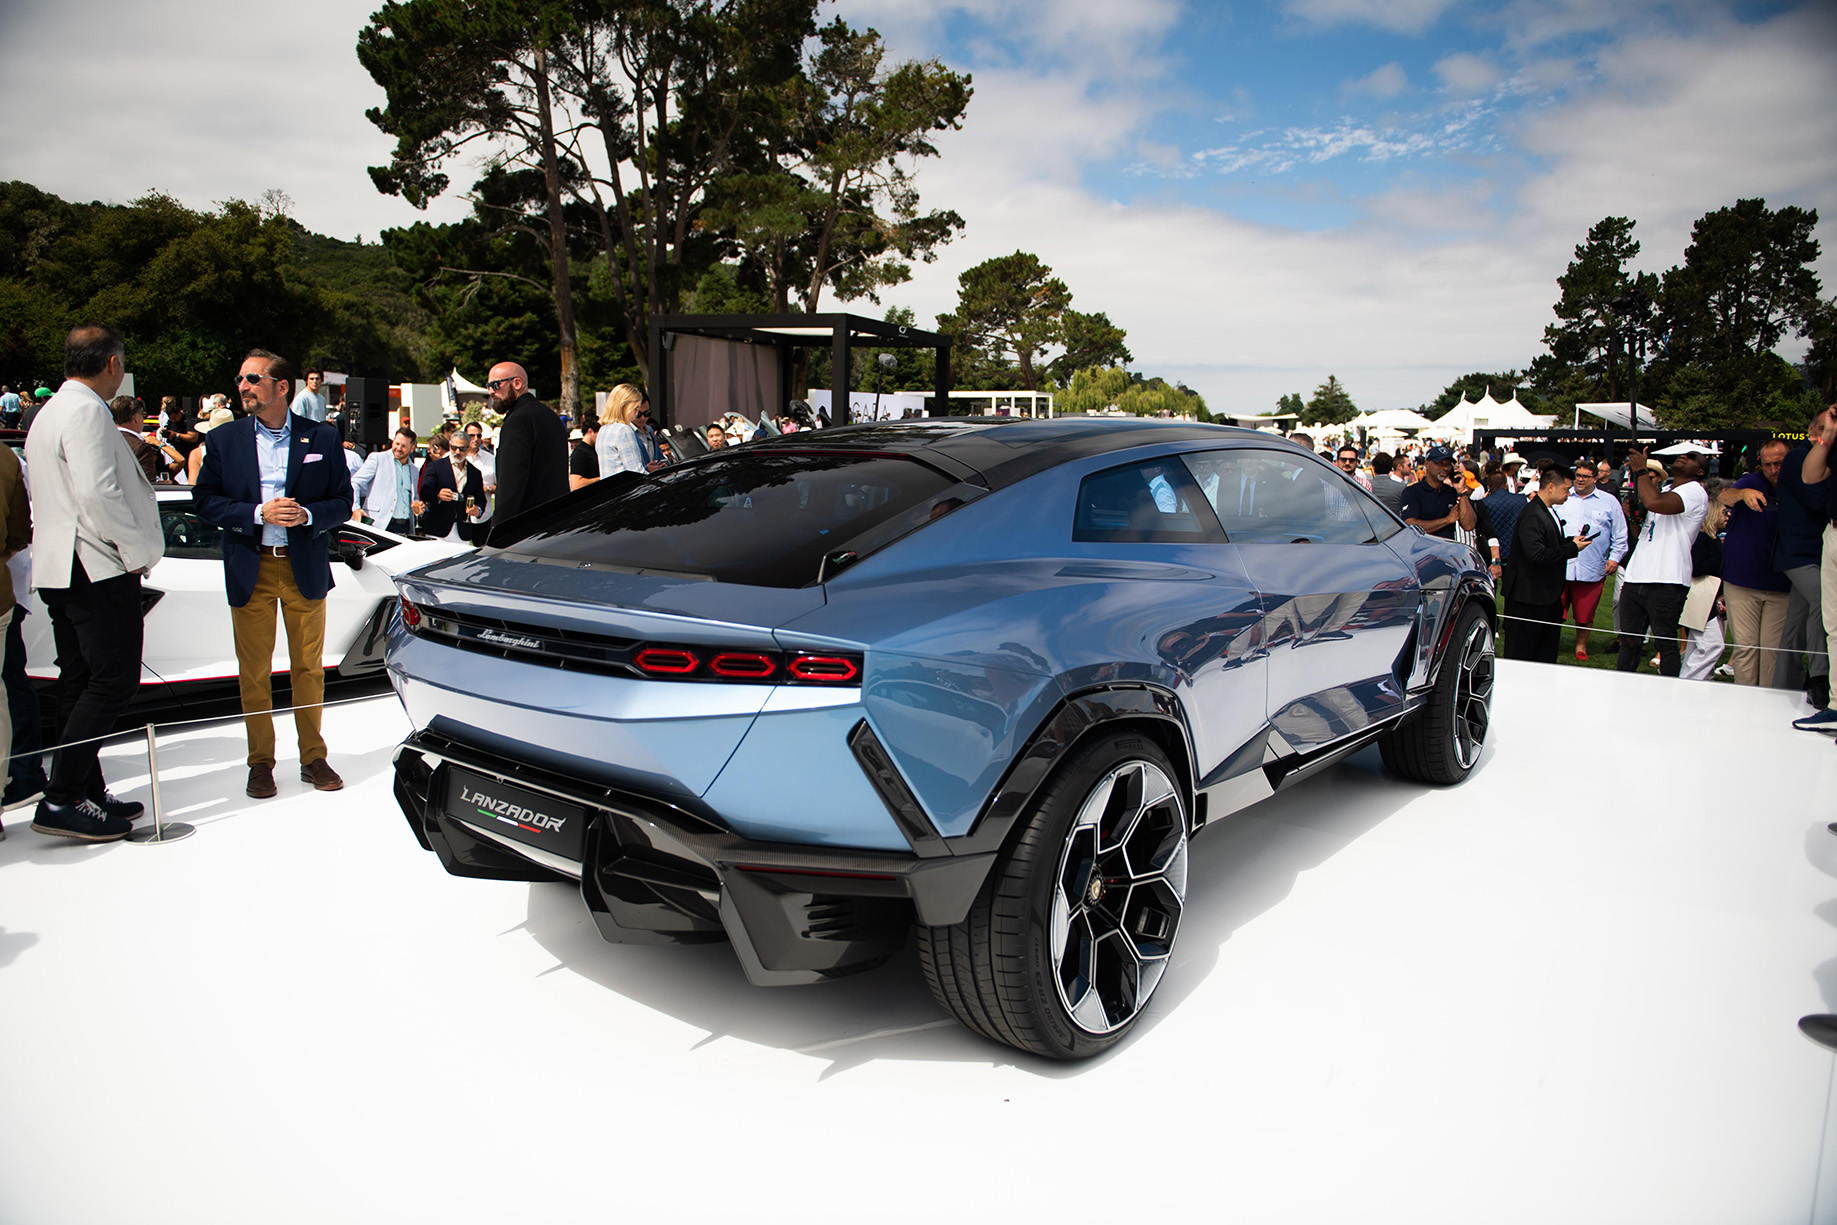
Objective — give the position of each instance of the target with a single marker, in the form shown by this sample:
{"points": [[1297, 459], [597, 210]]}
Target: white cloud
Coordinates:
{"points": [[1281, 151], [1434, 211], [1466, 75], [1676, 125], [1435, 279], [219, 101], [1386, 81], [1536, 23], [1401, 16]]}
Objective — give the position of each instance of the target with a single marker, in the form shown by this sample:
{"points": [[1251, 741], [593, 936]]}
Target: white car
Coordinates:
{"points": [[188, 636]]}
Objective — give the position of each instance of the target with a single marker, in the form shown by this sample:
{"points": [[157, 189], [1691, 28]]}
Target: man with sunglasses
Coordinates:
{"points": [[1347, 460], [532, 460], [1585, 577], [487, 464], [277, 484]]}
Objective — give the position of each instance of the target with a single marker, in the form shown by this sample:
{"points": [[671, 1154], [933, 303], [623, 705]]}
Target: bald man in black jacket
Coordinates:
{"points": [[532, 445], [1533, 583]]}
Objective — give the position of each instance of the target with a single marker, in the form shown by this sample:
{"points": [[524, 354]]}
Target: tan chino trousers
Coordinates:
{"points": [[254, 628], [1756, 619]]}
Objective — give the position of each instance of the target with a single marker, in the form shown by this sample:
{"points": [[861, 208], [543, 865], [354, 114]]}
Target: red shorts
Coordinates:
{"points": [[1584, 598]]}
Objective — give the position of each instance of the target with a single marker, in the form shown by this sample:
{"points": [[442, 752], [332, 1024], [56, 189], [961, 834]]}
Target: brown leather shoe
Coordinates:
{"points": [[321, 775], [261, 782]]}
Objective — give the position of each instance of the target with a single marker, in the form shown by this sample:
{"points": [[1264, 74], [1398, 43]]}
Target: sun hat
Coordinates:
{"points": [[220, 416], [1511, 457]]}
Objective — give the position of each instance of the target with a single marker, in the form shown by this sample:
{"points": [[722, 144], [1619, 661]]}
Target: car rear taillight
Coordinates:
{"points": [[699, 662], [826, 669], [411, 616], [666, 661], [742, 665]]}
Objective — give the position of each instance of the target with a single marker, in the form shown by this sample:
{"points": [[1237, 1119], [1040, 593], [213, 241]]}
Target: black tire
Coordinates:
{"points": [[1033, 967], [1442, 742]]}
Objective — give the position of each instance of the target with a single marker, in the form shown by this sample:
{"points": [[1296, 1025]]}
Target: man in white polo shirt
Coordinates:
{"points": [[1658, 576]]}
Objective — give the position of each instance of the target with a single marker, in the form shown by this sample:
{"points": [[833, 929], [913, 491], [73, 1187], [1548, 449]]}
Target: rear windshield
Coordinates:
{"points": [[768, 519]]}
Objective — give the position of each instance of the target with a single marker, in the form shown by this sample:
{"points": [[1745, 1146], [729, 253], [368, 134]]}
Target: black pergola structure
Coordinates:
{"points": [[842, 333]]}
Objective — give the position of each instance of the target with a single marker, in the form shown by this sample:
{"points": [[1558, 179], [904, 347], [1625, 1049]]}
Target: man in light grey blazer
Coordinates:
{"points": [[97, 534]]}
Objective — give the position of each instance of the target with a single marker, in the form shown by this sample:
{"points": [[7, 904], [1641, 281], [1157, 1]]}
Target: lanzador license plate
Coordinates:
{"points": [[525, 816]]}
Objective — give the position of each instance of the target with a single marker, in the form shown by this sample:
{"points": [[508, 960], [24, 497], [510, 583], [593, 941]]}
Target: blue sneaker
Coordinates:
{"points": [[1818, 721], [129, 810], [82, 821]]}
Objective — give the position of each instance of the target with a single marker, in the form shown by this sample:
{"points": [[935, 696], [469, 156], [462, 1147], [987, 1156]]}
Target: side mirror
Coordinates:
{"points": [[351, 550]]}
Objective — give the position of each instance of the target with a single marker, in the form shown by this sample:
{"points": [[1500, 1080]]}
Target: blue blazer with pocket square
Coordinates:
{"points": [[230, 488]]}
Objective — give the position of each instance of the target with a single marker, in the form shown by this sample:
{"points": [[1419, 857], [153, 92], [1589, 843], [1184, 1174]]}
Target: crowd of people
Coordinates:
{"points": [[1698, 565], [80, 525]]}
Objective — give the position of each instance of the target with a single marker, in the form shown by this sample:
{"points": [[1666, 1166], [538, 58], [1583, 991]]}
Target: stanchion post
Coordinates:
{"points": [[161, 832]]}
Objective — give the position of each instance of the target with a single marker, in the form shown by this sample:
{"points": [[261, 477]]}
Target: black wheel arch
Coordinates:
{"points": [[1471, 590], [1088, 712]]}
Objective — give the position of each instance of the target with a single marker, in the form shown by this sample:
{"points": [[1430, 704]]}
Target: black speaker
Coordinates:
{"points": [[366, 412]]}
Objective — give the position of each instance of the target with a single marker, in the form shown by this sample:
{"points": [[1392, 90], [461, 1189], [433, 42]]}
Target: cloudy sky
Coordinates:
{"points": [[1261, 194]]}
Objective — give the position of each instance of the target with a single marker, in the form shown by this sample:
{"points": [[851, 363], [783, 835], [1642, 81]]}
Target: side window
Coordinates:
{"points": [[1151, 502], [187, 535], [1384, 525], [1266, 497]]}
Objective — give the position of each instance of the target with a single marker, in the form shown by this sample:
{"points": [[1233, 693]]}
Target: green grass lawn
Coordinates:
{"points": [[1600, 650]]}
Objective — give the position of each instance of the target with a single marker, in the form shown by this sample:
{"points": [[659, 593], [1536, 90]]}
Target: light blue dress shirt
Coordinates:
{"points": [[1602, 510], [404, 489], [271, 461]]}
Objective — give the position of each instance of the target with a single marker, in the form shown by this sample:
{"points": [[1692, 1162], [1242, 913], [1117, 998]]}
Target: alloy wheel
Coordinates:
{"points": [[1118, 895], [1473, 694]]}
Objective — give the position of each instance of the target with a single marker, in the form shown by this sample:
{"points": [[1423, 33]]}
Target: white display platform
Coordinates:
{"points": [[1565, 991]]}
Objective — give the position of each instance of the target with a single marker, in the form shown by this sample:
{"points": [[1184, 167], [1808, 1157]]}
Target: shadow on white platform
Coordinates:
{"points": [[1563, 991]]}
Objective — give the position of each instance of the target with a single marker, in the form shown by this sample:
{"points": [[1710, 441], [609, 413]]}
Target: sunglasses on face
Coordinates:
{"points": [[494, 384], [255, 379]]}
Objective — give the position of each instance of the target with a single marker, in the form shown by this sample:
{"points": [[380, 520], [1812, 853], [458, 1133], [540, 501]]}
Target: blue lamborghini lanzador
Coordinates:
{"points": [[972, 681]]}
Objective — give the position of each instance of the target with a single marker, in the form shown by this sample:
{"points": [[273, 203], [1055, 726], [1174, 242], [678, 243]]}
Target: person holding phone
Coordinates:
{"points": [[1533, 586], [1593, 510]]}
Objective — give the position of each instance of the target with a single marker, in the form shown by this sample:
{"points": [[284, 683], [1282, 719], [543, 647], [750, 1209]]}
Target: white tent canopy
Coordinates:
{"points": [[1617, 413], [1487, 413], [464, 386], [1393, 420]]}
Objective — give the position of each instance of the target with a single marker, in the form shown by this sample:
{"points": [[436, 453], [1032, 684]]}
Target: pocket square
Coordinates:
{"points": [[312, 458]]}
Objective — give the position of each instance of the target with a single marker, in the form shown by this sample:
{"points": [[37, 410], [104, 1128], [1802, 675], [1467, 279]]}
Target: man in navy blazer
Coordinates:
{"points": [[277, 484]]}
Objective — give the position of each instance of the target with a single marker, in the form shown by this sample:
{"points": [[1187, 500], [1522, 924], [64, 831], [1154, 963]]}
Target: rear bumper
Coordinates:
{"points": [[651, 872]]}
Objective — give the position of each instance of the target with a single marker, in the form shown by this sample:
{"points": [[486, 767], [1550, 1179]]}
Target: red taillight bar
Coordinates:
{"points": [[411, 616], [835, 669], [666, 661], [742, 665]]}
